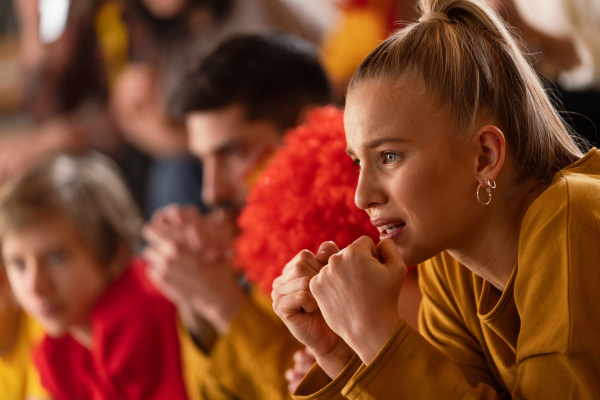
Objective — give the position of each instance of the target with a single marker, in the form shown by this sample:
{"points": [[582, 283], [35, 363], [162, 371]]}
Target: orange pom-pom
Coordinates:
{"points": [[302, 199]]}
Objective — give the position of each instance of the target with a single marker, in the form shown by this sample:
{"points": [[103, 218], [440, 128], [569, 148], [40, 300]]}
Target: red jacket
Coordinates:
{"points": [[135, 353]]}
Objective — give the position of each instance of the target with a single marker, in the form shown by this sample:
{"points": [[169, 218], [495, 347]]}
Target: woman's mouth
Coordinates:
{"points": [[389, 229]]}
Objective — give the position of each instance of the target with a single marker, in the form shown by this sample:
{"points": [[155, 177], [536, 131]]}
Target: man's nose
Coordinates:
{"points": [[217, 186]]}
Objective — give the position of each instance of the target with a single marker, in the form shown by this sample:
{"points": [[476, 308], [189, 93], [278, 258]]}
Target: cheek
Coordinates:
{"points": [[416, 187], [89, 288], [428, 191], [16, 284], [255, 163]]}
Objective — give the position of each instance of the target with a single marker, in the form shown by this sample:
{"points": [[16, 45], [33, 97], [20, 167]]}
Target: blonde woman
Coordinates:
{"points": [[468, 171]]}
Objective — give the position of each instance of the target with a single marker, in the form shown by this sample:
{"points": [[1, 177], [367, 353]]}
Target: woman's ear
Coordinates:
{"points": [[491, 149]]}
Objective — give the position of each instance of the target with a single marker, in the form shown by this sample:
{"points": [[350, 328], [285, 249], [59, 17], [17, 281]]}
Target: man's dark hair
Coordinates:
{"points": [[273, 76]]}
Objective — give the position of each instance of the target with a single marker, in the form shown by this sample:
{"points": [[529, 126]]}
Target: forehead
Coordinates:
{"points": [[43, 233], [210, 131], [375, 110]]}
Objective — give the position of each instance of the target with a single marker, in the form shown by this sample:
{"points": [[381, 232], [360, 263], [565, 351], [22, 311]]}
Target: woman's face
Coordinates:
{"points": [[418, 189]]}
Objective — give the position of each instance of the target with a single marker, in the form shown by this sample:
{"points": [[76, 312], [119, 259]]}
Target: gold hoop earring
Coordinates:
{"points": [[488, 190]]}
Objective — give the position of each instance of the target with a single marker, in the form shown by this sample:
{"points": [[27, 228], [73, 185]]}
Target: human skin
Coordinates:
{"points": [[229, 146], [55, 276]]}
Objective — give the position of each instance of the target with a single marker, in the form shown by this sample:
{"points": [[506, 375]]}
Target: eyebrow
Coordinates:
{"points": [[228, 145], [378, 142]]}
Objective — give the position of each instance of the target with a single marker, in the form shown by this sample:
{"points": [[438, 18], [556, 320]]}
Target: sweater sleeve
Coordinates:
{"points": [[397, 372], [248, 362]]}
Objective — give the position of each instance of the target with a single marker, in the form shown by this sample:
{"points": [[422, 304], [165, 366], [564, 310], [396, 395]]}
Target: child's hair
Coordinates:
{"points": [[469, 64], [88, 190], [304, 197], [274, 76]]}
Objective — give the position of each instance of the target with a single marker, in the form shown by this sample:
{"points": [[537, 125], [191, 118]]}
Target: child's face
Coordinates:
{"points": [[417, 188], [54, 276]]}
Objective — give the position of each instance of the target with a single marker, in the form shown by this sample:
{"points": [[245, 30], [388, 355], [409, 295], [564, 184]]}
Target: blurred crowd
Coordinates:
{"points": [[100, 74]]}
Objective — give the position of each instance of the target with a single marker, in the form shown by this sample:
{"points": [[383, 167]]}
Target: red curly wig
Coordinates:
{"points": [[303, 198]]}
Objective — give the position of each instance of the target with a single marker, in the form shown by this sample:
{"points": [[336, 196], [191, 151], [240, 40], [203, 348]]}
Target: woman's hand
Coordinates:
{"points": [[357, 293], [298, 309]]}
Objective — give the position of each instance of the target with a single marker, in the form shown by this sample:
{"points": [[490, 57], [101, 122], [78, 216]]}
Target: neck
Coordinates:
{"points": [[82, 334], [493, 253]]}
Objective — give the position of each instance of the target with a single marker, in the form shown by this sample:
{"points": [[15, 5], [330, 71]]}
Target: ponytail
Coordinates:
{"points": [[470, 64]]}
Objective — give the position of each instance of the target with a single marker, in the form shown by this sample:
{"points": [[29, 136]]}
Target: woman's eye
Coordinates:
{"points": [[389, 158], [356, 162]]}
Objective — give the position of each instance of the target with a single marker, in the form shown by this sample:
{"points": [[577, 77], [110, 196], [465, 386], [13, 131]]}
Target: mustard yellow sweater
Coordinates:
{"points": [[248, 363], [539, 339], [19, 379]]}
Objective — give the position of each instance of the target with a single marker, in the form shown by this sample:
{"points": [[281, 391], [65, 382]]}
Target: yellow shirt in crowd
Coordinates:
{"points": [[18, 377], [247, 363]]}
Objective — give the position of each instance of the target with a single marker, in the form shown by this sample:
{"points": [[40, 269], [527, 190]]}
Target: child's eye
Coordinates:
{"points": [[15, 263], [356, 162], [55, 258], [389, 158]]}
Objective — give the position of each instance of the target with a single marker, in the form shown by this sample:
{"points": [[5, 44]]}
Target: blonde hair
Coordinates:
{"points": [[87, 190], [469, 63]]}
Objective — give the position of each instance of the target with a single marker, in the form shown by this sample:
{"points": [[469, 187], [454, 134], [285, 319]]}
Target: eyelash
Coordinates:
{"points": [[384, 155]]}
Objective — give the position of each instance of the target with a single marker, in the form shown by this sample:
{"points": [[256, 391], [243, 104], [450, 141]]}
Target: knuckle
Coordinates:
{"points": [[301, 297], [335, 260], [276, 283], [298, 269], [314, 285], [306, 256], [305, 282]]}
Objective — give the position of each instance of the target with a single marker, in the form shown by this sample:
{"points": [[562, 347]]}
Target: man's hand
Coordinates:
{"points": [[190, 262]]}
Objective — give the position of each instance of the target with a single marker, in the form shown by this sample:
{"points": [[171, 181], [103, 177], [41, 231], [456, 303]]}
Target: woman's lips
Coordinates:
{"points": [[389, 228]]}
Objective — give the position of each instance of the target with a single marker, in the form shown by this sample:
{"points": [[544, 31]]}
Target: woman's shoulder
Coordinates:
{"points": [[573, 194]]}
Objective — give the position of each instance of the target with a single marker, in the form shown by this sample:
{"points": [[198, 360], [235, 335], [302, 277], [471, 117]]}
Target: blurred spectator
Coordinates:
{"points": [[237, 105], [563, 38], [69, 229], [576, 21], [358, 28], [64, 86], [167, 38]]}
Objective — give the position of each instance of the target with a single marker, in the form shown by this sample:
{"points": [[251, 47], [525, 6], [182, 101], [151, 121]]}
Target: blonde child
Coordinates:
{"points": [[468, 171], [67, 230]]}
